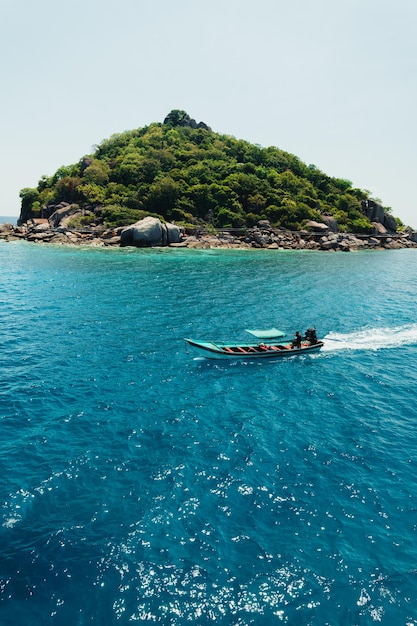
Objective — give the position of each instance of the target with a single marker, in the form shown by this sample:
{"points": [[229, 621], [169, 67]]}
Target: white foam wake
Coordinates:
{"points": [[371, 338]]}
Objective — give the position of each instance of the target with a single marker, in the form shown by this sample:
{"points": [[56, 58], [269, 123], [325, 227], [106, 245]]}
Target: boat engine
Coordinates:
{"points": [[311, 335]]}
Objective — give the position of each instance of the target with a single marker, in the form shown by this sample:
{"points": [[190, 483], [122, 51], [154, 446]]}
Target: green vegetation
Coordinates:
{"points": [[194, 176]]}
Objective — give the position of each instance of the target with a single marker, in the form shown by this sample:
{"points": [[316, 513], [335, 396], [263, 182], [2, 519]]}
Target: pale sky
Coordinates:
{"points": [[332, 81]]}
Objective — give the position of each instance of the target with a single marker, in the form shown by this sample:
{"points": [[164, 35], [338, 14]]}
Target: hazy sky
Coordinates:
{"points": [[333, 82]]}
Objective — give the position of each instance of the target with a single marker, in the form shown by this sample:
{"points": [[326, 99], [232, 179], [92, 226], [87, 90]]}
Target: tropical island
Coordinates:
{"points": [[179, 183]]}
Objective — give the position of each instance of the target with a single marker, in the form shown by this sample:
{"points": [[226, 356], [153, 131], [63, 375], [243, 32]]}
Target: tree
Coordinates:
{"points": [[92, 193], [67, 189], [28, 196], [127, 167], [97, 173], [228, 219], [163, 194], [243, 185]]}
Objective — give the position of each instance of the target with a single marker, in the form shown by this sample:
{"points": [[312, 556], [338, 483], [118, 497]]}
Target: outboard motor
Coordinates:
{"points": [[311, 335]]}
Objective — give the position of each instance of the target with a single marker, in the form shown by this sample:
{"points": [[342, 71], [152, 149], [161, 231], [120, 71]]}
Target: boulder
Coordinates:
{"points": [[86, 162], [327, 244], [318, 227], [331, 222], [373, 211], [112, 241], [181, 118], [43, 227], [173, 233], [6, 228], [354, 243], [62, 213], [393, 245], [390, 223], [260, 238], [35, 236], [149, 232], [344, 246], [61, 238], [264, 224], [379, 229], [312, 245]]}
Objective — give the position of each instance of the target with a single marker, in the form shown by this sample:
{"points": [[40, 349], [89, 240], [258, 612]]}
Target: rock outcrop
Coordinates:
{"points": [[181, 118], [149, 232], [331, 223], [377, 214], [63, 214]]}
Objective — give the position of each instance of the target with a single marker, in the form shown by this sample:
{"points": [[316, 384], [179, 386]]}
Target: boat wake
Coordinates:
{"points": [[371, 338]]}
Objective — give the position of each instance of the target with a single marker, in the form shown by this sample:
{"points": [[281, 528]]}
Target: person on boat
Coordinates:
{"points": [[311, 336], [297, 340]]}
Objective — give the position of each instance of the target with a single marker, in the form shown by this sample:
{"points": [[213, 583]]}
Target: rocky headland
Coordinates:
{"points": [[152, 232]]}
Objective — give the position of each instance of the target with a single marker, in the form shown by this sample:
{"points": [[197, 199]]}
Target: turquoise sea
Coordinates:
{"points": [[140, 484]]}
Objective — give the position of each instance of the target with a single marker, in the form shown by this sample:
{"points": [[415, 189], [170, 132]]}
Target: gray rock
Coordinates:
{"points": [[379, 229], [173, 233], [393, 245], [34, 236], [344, 246], [317, 226], [390, 223], [66, 211], [149, 232], [40, 228], [373, 211], [181, 118], [6, 229], [327, 245], [112, 241], [264, 225], [331, 222]]}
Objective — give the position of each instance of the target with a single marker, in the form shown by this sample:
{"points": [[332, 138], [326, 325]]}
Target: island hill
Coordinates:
{"points": [[179, 183]]}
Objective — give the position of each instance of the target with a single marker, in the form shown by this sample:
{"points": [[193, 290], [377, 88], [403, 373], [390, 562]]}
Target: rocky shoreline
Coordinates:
{"points": [[150, 232]]}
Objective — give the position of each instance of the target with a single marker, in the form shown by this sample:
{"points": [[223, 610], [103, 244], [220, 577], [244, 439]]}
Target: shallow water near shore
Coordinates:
{"points": [[139, 484]]}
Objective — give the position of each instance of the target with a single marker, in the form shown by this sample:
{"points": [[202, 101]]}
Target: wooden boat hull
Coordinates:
{"points": [[211, 350]]}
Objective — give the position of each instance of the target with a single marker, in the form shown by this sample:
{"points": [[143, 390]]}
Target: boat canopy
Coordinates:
{"points": [[269, 333]]}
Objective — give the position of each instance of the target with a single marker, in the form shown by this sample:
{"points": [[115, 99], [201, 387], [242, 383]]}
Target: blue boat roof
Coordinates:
{"points": [[268, 333]]}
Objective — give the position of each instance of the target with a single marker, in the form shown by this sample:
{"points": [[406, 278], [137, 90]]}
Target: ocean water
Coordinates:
{"points": [[140, 484], [12, 219]]}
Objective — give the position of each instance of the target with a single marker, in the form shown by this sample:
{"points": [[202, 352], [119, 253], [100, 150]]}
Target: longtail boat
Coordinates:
{"points": [[267, 346]]}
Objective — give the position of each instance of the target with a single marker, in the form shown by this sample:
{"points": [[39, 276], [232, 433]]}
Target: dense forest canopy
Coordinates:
{"points": [[185, 173]]}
